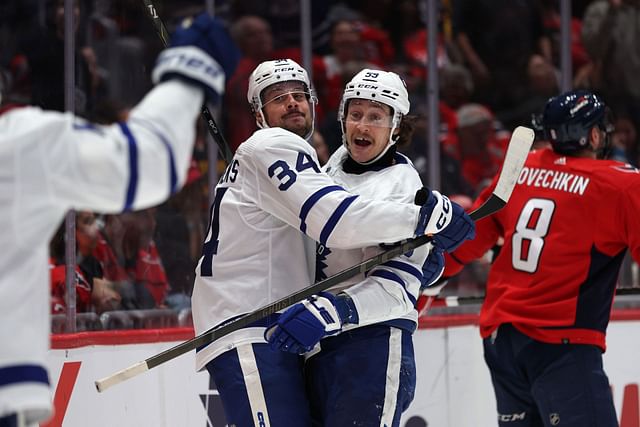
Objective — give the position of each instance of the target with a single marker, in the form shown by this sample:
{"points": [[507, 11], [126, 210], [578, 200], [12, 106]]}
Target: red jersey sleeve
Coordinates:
{"points": [[488, 231]]}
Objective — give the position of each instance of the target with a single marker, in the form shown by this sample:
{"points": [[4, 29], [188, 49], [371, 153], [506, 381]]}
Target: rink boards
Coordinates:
{"points": [[453, 385]]}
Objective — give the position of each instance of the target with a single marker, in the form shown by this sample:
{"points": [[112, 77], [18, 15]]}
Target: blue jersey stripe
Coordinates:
{"points": [[173, 174], [23, 374], [133, 166], [384, 274], [334, 218], [407, 268], [308, 204]]}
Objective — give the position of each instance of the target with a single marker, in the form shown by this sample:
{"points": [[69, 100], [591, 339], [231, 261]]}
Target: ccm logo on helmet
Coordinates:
{"points": [[366, 86], [581, 103], [280, 70]]}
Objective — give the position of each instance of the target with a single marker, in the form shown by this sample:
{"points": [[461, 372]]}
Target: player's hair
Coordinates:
{"points": [[384, 87], [406, 129], [569, 117]]}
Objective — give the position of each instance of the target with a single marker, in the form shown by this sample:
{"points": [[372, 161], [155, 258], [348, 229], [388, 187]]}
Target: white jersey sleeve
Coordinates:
{"points": [[293, 188], [51, 162], [124, 166], [389, 291]]}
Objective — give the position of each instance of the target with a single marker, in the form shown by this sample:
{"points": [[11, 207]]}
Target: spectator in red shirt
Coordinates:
{"points": [[253, 37], [480, 143], [129, 257], [93, 292]]}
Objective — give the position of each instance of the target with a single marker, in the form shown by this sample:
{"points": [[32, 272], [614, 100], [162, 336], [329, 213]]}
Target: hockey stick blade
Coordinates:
{"points": [[214, 130], [519, 146]]}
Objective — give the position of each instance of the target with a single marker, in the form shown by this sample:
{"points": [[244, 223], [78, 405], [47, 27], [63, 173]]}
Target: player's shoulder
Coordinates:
{"points": [[608, 175], [336, 160], [621, 175], [18, 113], [403, 164], [402, 173], [264, 140]]}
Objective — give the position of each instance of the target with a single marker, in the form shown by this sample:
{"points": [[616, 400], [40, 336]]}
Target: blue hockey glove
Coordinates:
{"points": [[444, 219], [200, 52], [303, 325], [435, 213], [432, 268], [460, 228]]}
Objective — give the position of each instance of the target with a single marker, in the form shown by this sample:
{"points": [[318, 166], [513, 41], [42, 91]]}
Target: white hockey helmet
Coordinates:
{"points": [[380, 86], [272, 72]]}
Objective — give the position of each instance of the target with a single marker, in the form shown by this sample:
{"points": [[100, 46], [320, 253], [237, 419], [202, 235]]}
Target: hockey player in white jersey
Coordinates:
{"points": [[365, 374], [52, 162], [271, 205]]}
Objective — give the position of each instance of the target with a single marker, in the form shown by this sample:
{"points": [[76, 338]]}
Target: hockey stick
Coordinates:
{"points": [[457, 301], [517, 151], [214, 130]]}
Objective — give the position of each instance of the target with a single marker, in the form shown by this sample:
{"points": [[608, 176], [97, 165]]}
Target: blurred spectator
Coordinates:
{"points": [[456, 85], [129, 257], [551, 19], [451, 179], [542, 83], [93, 292], [179, 234], [402, 19], [338, 67], [624, 140], [284, 18], [253, 37], [497, 38], [322, 150], [44, 52], [611, 35], [414, 43], [480, 145]]}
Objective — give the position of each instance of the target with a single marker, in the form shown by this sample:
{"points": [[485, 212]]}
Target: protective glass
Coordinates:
{"points": [[280, 93], [358, 114]]}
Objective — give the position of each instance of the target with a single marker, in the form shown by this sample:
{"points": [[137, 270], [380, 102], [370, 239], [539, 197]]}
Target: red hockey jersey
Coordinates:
{"points": [[566, 229]]}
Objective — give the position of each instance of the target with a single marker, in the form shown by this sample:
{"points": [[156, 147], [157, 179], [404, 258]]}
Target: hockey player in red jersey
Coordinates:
{"points": [[569, 222]]}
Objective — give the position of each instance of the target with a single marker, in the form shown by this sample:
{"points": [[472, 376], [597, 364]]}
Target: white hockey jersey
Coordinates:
{"points": [[49, 163], [255, 251], [389, 291]]}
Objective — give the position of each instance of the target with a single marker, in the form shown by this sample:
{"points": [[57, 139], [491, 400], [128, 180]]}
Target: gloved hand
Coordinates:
{"points": [[304, 324], [435, 213], [432, 268], [460, 228], [444, 219], [200, 52]]}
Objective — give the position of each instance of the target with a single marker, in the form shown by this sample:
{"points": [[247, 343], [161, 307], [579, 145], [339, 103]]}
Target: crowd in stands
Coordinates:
{"points": [[498, 62]]}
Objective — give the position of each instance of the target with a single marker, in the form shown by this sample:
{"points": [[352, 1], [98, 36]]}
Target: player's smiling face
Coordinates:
{"points": [[286, 105], [367, 128]]}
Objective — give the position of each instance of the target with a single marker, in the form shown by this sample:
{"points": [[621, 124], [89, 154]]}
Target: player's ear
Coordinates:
{"points": [[596, 137]]}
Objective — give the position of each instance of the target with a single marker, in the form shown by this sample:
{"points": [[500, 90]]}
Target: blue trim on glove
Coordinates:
{"points": [[346, 309]]}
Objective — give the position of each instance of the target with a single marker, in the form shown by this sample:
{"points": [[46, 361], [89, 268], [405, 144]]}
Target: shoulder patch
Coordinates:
{"points": [[627, 168]]}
